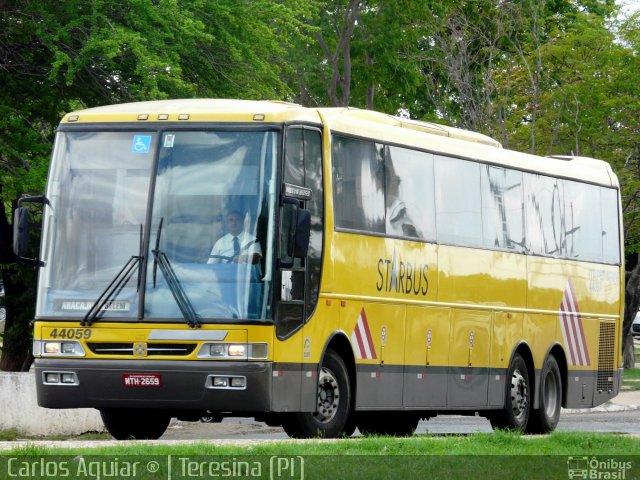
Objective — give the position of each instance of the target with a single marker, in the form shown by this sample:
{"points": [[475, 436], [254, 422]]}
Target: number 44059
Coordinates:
{"points": [[71, 333]]}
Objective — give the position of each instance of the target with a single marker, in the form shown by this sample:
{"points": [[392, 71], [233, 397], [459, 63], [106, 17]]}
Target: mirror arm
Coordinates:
{"points": [[37, 199]]}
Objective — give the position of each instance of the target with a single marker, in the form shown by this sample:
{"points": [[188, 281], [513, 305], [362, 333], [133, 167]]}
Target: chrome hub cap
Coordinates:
{"points": [[328, 396], [519, 396]]}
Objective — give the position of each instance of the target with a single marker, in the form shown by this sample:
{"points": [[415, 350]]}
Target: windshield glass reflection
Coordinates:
{"points": [[209, 256], [93, 226]]}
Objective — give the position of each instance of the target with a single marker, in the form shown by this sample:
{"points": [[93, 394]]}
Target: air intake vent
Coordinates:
{"points": [[166, 349], [606, 357]]}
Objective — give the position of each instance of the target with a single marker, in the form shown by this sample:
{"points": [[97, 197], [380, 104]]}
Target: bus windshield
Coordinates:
{"points": [[198, 225]]}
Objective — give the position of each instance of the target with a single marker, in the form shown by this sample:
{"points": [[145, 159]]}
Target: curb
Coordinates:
{"points": [[604, 408]]}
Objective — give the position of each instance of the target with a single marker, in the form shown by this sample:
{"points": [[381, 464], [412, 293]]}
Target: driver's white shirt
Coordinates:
{"points": [[224, 247]]}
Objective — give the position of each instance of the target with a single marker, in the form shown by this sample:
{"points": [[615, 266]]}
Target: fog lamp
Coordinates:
{"points": [[220, 382], [52, 378], [238, 382]]}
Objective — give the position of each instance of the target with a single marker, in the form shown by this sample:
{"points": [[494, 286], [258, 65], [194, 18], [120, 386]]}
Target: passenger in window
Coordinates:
{"points": [[398, 220], [238, 245]]}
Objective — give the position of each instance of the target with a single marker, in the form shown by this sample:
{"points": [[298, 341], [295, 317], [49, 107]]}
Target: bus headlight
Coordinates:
{"points": [[237, 350], [58, 349], [234, 351], [218, 350]]}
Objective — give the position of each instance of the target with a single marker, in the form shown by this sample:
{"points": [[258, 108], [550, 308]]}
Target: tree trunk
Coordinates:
{"points": [[19, 300], [628, 353]]}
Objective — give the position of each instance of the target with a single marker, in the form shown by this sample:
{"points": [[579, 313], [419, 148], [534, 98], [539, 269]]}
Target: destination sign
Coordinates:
{"points": [[85, 305]]}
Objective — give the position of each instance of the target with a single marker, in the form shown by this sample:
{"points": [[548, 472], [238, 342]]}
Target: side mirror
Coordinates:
{"points": [[295, 231], [21, 225], [20, 231]]}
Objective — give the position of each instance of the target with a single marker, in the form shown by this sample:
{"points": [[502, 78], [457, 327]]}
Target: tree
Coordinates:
{"points": [[588, 104], [363, 55], [57, 57]]}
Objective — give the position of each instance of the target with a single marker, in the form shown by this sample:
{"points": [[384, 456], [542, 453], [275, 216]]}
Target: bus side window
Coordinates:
{"points": [[359, 185], [409, 194]]}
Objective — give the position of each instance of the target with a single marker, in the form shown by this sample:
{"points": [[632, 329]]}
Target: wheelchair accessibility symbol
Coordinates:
{"points": [[141, 144]]}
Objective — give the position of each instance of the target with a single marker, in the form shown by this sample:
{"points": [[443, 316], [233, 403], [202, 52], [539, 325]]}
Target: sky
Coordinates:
{"points": [[630, 5]]}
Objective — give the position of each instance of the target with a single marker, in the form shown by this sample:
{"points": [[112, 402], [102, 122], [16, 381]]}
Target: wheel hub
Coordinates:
{"points": [[328, 396], [519, 395]]}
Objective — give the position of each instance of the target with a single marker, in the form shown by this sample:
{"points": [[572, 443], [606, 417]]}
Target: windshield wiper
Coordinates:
{"points": [[180, 296], [112, 290], [116, 286]]}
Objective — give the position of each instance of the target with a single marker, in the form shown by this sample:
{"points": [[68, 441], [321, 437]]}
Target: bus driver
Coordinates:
{"points": [[237, 246]]}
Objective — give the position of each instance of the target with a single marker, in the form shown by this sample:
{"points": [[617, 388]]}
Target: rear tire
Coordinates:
{"points": [[125, 424], [545, 419], [517, 403], [333, 404]]}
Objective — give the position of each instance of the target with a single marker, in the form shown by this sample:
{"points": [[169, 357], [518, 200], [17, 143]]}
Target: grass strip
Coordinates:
{"points": [[498, 443]]}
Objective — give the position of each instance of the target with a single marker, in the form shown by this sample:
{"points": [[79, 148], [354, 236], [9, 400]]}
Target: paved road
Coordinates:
{"points": [[627, 421], [246, 431]]}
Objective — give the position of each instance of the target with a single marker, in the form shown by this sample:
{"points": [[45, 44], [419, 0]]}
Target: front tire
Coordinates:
{"points": [[333, 403], [545, 419], [125, 424], [517, 404]]}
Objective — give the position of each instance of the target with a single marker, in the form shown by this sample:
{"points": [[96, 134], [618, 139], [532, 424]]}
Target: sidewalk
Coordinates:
{"points": [[624, 401], [627, 400]]}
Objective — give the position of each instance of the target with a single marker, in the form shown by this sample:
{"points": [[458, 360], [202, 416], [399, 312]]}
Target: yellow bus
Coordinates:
{"points": [[323, 269]]}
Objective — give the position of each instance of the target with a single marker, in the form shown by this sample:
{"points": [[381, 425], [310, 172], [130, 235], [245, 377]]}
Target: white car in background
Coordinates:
{"points": [[635, 326]]}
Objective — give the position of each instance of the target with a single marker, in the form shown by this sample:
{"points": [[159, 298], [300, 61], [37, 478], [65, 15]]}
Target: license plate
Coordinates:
{"points": [[141, 380]]}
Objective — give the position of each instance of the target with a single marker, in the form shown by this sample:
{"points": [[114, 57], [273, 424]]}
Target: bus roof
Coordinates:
{"points": [[363, 123]]}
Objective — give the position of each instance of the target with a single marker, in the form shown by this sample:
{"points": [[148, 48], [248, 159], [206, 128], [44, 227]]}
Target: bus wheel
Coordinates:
{"points": [[515, 414], [545, 419], [333, 403], [125, 424]]}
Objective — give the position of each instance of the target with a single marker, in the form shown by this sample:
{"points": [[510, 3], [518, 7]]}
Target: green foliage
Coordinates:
{"points": [[549, 77], [9, 435], [587, 103], [57, 57]]}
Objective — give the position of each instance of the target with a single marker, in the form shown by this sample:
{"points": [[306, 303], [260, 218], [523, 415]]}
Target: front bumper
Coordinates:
{"points": [[183, 385]]}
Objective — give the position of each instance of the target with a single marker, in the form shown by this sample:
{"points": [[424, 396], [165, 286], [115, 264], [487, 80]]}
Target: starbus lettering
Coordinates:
{"points": [[402, 277]]}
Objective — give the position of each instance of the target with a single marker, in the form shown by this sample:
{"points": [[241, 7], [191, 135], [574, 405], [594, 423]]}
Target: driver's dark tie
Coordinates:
{"points": [[236, 247]]}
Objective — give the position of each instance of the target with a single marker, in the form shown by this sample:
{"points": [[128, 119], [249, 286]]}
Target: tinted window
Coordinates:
{"points": [[502, 208], [544, 213], [610, 227], [410, 200], [313, 180], [583, 221], [294, 157], [458, 211], [358, 176]]}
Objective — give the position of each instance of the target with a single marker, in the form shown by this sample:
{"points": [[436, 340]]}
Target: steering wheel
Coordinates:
{"points": [[223, 258]]}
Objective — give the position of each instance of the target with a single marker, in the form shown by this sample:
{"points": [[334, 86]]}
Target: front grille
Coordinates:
{"points": [[606, 356], [127, 349]]}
